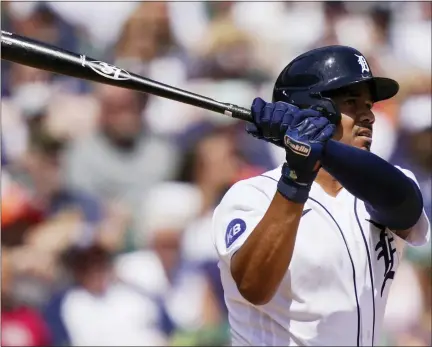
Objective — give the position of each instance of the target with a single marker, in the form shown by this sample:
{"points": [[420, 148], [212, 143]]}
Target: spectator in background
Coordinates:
{"points": [[226, 52], [408, 322], [30, 90], [51, 195], [21, 325], [24, 109], [144, 37], [41, 218], [161, 269], [36, 19], [211, 160], [18, 213], [98, 310], [414, 150], [212, 163], [121, 159], [410, 35]]}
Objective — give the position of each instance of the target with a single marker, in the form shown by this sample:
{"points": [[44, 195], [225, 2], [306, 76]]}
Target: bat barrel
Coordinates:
{"points": [[28, 52], [22, 50]]}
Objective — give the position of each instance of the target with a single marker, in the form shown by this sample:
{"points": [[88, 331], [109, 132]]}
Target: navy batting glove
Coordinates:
{"points": [[304, 143], [271, 120]]}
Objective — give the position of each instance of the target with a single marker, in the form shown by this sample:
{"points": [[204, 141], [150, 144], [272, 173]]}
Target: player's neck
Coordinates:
{"points": [[328, 183]]}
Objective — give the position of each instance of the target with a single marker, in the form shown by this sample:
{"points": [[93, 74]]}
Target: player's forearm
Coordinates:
{"points": [[391, 197], [260, 264]]}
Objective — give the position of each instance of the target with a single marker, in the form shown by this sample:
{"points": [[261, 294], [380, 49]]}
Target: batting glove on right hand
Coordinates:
{"points": [[304, 145], [302, 132]]}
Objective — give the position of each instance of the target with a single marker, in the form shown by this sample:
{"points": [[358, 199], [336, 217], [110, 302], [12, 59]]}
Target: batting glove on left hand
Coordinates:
{"points": [[271, 120]]}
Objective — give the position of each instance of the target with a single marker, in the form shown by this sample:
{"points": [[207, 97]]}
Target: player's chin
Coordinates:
{"points": [[363, 142]]}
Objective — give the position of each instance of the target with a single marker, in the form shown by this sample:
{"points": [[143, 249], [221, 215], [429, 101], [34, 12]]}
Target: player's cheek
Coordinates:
{"points": [[345, 129], [338, 134]]}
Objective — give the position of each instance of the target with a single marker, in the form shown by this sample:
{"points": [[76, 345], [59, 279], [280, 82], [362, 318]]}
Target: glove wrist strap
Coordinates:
{"points": [[290, 189]]}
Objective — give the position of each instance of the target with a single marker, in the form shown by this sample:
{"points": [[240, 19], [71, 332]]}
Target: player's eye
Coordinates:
{"points": [[351, 102]]}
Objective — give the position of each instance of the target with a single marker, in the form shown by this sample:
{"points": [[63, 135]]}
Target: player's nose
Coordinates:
{"points": [[366, 117]]}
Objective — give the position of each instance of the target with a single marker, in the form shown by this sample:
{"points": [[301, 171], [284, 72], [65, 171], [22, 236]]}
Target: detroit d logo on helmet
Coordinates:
{"points": [[363, 63]]}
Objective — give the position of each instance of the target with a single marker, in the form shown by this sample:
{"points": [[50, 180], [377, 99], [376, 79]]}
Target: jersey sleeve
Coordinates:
{"points": [[420, 233], [234, 219]]}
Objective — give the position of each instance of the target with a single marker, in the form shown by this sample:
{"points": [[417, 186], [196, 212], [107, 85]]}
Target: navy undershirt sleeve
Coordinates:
{"points": [[391, 198]]}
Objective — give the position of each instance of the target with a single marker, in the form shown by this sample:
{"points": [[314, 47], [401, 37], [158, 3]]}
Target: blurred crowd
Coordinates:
{"points": [[107, 194]]}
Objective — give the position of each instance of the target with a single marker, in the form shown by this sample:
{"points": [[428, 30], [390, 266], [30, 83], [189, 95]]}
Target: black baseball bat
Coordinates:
{"points": [[26, 51]]}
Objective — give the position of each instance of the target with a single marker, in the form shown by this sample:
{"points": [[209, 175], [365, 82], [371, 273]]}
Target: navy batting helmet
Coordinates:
{"points": [[305, 81]]}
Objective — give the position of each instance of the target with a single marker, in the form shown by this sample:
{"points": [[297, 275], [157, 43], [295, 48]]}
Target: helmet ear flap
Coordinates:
{"points": [[327, 106], [305, 99]]}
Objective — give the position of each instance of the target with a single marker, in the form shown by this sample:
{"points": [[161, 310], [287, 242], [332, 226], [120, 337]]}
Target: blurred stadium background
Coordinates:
{"points": [[107, 194]]}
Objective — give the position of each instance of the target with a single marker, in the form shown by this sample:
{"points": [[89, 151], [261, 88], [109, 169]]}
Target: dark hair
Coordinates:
{"points": [[81, 259], [47, 144], [189, 142]]}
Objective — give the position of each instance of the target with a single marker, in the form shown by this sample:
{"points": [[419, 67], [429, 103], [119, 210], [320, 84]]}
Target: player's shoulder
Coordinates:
{"points": [[253, 193], [244, 203], [264, 185], [265, 181]]}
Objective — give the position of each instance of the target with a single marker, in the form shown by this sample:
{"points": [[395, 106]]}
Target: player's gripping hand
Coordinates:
{"points": [[271, 120], [303, 134]]}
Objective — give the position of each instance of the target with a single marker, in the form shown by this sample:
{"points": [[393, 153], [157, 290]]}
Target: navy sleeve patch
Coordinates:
{"points": [[235, 228]]}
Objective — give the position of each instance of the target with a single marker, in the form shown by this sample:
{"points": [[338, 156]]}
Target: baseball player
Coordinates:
{"points": [[308, 251]]}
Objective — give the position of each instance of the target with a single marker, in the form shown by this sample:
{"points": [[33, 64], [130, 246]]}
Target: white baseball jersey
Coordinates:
{"points": [[335, 289]]}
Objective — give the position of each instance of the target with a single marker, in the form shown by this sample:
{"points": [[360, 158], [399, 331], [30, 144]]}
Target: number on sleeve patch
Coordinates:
{"points": [[235, 228]]}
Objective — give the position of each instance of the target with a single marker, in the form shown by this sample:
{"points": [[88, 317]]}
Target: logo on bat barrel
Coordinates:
{"points": [[105, 69], [297, 146], [6, 39]]}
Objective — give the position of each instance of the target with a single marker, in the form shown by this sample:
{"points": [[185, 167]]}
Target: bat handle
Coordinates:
{"points": [[238, 112]]}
